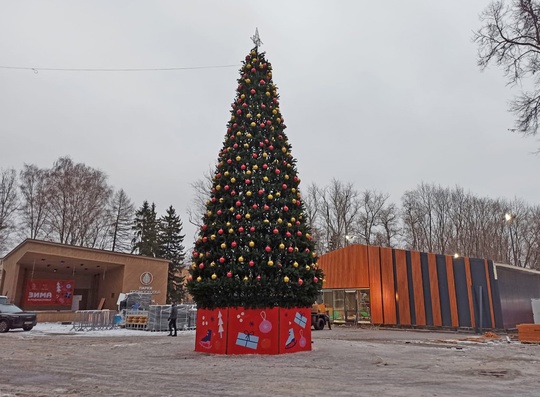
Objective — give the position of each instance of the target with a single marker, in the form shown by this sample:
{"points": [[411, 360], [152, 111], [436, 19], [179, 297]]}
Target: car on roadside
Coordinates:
{"points": [[12, 317]]}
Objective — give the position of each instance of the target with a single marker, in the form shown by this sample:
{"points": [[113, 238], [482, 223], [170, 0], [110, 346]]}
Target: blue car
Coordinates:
{"points": [[11, 317]]}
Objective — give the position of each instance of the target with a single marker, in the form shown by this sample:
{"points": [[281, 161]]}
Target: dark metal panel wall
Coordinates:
{"points": [[446, 314], [478, 273], [496, 297], [517, 288], [462, 293], [411, 288], [427, 289]]}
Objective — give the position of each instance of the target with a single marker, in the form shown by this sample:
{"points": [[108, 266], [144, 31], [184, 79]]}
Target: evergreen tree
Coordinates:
{"points": [[254, 247], [170, 239], [145, 227]]}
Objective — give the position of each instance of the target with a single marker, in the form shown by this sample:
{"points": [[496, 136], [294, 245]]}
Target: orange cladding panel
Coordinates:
{"points": [[346, 267], [418, 286], [469, 290], [490, 297], [387, 284], [434, 289], [402, 287], [374, 260]]}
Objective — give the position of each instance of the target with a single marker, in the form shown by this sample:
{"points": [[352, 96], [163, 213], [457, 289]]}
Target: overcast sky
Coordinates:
{"points": [[383, 94]]}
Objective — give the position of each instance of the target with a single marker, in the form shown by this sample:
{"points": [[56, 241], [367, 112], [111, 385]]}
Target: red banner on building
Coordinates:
{"points": [[49, 292]]}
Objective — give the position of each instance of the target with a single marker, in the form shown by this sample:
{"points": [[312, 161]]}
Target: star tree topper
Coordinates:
{"points": [[256, 39]]}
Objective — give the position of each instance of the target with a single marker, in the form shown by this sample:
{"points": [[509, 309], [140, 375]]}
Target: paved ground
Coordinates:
{"points": [[344, 362]]}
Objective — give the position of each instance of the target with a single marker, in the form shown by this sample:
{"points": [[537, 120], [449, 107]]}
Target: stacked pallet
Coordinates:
{"points": [[158, 316], [529, 333]]}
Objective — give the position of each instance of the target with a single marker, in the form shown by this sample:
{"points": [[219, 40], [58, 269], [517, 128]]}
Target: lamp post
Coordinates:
{"points": [[509, 220], [349, 239]]}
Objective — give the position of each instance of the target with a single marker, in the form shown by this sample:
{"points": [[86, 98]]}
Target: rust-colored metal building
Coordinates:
{"points": [[388, 286], [45, 276]]}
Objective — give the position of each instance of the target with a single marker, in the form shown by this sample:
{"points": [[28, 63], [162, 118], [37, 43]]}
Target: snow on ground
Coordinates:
{"points": [[69, 329]]}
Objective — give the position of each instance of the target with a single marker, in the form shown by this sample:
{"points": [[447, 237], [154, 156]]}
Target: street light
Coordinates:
{"points": [[350, 238], [509, 218]]}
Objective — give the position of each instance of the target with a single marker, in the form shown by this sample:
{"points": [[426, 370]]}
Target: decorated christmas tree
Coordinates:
{"points": [[254, 249]]}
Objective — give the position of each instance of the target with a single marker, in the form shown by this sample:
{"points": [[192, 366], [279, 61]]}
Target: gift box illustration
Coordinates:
{"points": [[300, 320], [247, 339]]}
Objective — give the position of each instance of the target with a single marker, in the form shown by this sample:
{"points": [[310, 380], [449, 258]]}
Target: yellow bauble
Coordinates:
{"points": [[286, 279], [284, 150], [246, 278], [278, 194], [243, 96], [293, 219], [248, 193], [278, 119], [251, 244], [218, 187], [293, 190], [293, 200], [314, 254], [233, 180], [282, 246], [221, 199], [295, 264], [201, 255], [241, 259], [231, 209], [238, 158], [248, 66], [279, 220], [267, 93], [324, 280], [226, 173], [232, 118], [209, 213], [253, 124], [213, 237], [289, 224], [266, 221], [199, 279], [231, 231], [246, 145], [214, 276], [248, 115], [223, 245], [255, 167], [248, 81], [288, 166], [307, 267], [270, 263], [248, 172], [270, 197], [194, 266], [274, 111], [258, 115], [212, 263], [248, 216], [265, 155], [238, 133], [265, 179]]}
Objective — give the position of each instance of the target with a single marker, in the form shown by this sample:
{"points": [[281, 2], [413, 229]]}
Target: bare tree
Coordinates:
{"points": [[340, 207], [313, 213], [510, 38], [390, 229], [9, 202], [201, 194], [34, 207], [372, 204], [78, 200], [122, 216]]}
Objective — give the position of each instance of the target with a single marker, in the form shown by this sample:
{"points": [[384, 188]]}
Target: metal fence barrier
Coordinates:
{"points": [[92, 320]]}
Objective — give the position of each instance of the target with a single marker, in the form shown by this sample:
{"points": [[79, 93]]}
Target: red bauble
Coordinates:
{"points": [[235, 146], [262, 82], [195, 254], [253, 91], [241, 229], [285, 208], [265, 166], [227, 187], [266, 208], [258, 278], [297, 223], [233, 244], [276, 231], [288, 234], [238, 216], [220, 231], [284, 186], [222, 260], [255, 206], [243, 167], [219, 212], [277, 171], [238, 203], [201, 266], [299, 233], [271, 147], [268, 248], [253, 70], [252, 229], [255, 155], [248, 181], [261, 144], [239, 111], [205, 239], [213, 200], [315, 280], [261, 192], [290, 249], [300, 281], [229, 274], [268, 122], [203, 227], [251, 263]]}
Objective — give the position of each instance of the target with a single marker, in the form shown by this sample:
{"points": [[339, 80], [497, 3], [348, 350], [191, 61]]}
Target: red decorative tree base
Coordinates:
{"points": [[253, 331]]}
